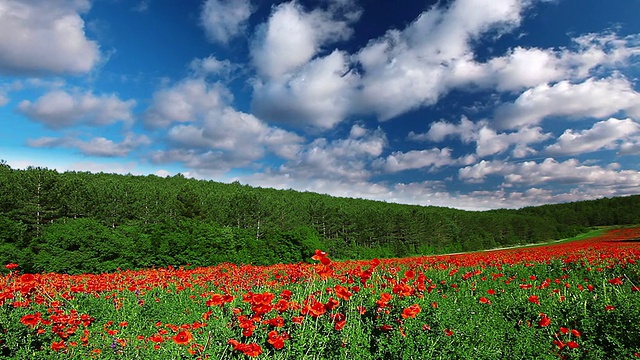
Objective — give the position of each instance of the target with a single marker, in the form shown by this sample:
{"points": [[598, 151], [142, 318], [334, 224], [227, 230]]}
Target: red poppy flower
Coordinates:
{"points": [[286, 294], [616, 281], [215, 300], [331, 304], [30, 319], [277, 341], [183, 337], [484, 300], [11, 266], [411, 311], [319, 254], [534, 299], [572, 344], [58, 345], [342, 292], [26, 278], [544, 321], [339, 321], [252, 350], [384, 299]]}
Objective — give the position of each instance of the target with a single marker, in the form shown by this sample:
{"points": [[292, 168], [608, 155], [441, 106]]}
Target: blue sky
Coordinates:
{"points": [[471, 104]]}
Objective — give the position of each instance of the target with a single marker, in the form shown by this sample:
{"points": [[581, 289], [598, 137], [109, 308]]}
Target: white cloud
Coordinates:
{"points": [[522, 67], [296, 86], [45, 36], [318, 95], [58, 109], [601, 49], [488, 141], [607, 134], [212, 66], [4, 99], [410, 68], [238, 137], [531, 173], [225, 19], [213, 136], [329, 160], [416, 159], [595, 98], [97, 146], [436, 193], [347, 159], [186, 101], [440, 130], [291, 37]]}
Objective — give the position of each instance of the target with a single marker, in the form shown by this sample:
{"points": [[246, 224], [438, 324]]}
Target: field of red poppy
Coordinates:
{"points": [[571, 300]]}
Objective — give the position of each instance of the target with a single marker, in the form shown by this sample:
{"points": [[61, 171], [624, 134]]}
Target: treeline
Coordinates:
{"points": [[83, 222]]}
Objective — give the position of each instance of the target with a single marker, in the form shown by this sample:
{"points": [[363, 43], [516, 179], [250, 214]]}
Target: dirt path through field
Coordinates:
{"points": [[576, 238]]}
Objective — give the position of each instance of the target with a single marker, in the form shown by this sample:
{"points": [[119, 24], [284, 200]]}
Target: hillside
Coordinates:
{"points": [[82, 222]]}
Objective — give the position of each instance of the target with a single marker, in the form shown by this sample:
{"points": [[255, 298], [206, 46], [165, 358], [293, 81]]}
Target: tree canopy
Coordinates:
{"points": [[84, 222]]}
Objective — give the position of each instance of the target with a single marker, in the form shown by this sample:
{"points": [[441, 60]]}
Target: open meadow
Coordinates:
{"points": [[571, 300]]}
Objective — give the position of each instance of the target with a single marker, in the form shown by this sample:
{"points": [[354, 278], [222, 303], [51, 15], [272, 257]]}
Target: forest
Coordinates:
{"points": [[81, 222]]}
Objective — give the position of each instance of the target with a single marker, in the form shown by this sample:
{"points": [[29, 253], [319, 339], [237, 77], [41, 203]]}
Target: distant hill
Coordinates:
{"points": [[83, 222]]}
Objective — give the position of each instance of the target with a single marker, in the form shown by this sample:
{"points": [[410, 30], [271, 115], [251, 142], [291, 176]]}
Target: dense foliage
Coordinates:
{"points": [[577, 300], [76, 222]]}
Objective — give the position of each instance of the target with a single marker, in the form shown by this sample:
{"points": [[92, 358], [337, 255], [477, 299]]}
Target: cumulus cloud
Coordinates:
{"points": [[212, 66], [211, 135], [45, 36], [416, 159], [522, 68], [239, 136], [317, 96], [186, 101], [596, 98], [438, 131], [225, 19], [607, 134], [97, 146], [488, 141], [340, 167], [59, 109], [531, 173], [348, 158], [416, 66], [292, 36], [410, 68], [327, 160], [295, 86], [437, 193]]}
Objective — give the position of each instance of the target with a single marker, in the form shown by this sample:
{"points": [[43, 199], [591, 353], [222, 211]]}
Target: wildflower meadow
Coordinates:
{"points": [[571, 300]]}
